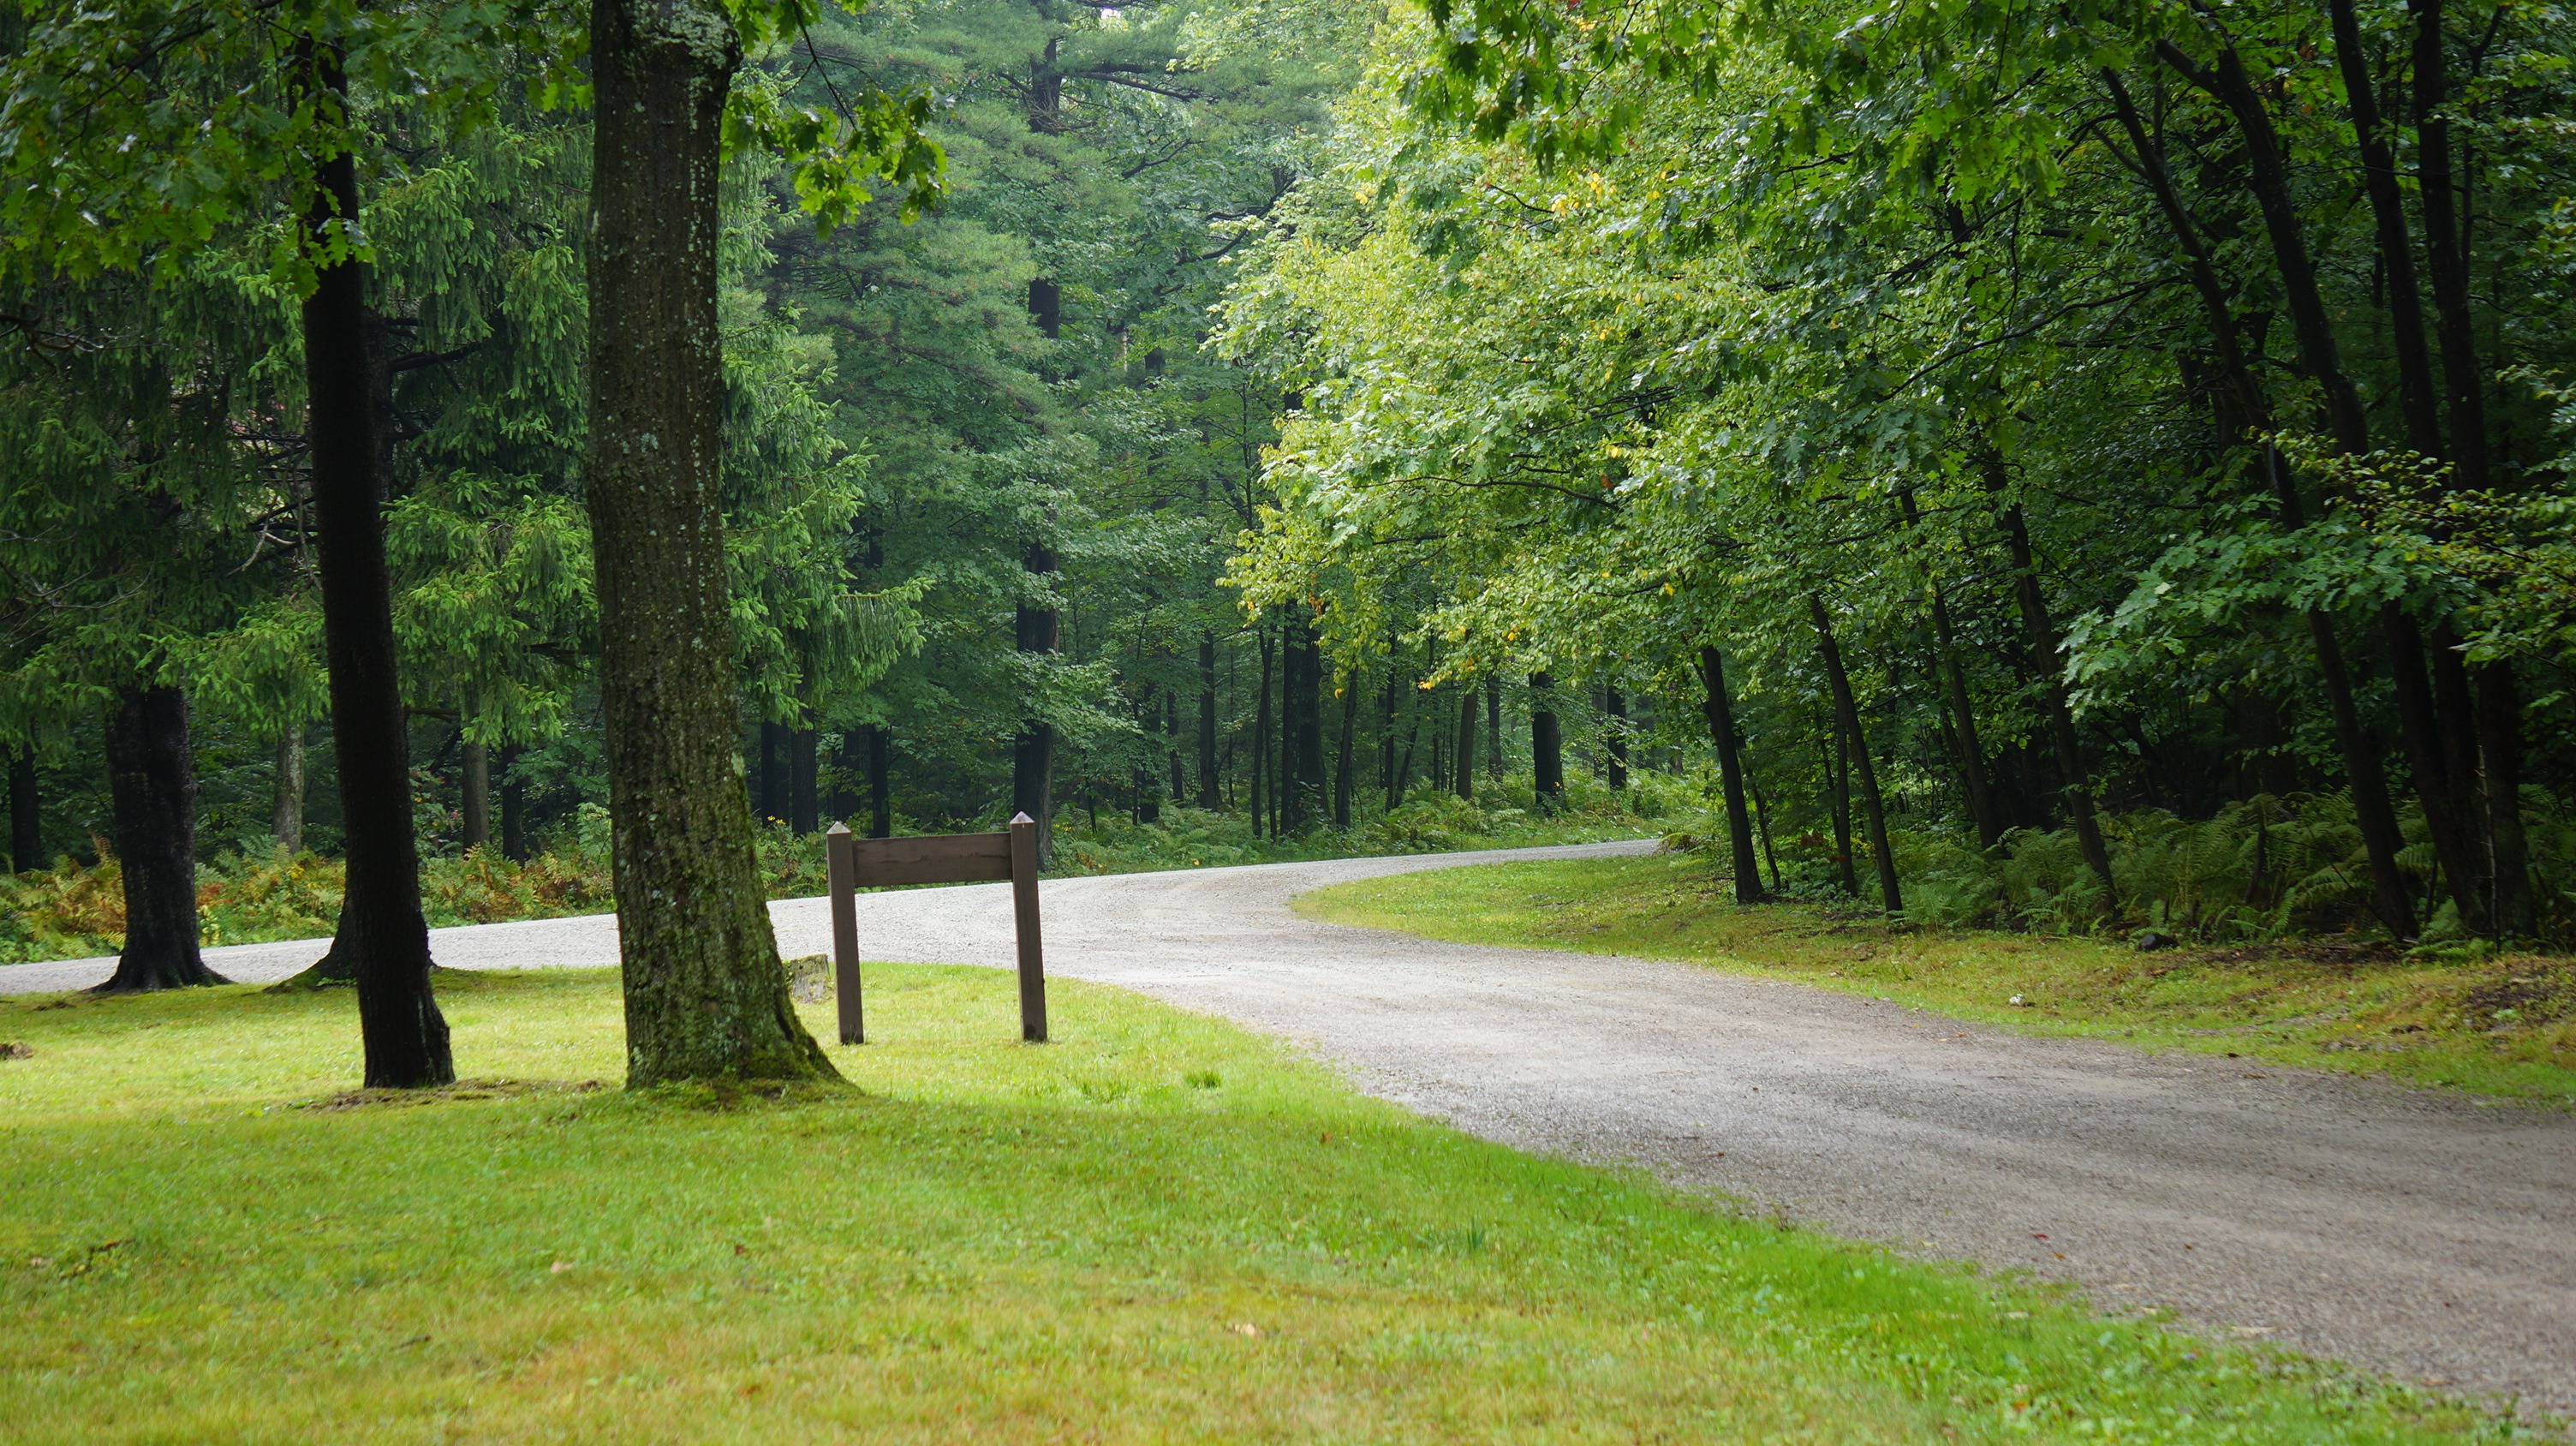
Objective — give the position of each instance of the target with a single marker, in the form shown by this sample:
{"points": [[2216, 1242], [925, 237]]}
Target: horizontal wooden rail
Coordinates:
{"points": [[852, 863]]}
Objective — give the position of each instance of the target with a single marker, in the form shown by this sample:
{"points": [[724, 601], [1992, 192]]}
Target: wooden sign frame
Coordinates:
{"points": [[852, 863]]}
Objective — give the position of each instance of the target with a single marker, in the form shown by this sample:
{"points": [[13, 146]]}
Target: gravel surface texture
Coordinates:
{"points": [[2426, 1234]]}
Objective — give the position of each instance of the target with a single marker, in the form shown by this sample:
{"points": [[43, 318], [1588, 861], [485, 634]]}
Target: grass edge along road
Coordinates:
{"points": [[1161, 1228], [2501, 1026]]}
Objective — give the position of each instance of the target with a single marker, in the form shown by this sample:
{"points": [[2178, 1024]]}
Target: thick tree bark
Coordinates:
{"points": [[706, 997], [1033, 752], [286, 792], [383, 941], [152, 782], [1547, 746], [26, 816], [1720, 710], [1614, 736], [477, 803], [1209, 785], [2322, 359], [1847, 713]]}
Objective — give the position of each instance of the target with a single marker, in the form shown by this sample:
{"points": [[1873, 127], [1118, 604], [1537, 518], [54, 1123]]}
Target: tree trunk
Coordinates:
{"points": [[1342, 770], [706, 997], [286, 792], [1954, 684], [1309, 798], [2405, 299], [2039, 634], [1263, 785], [1033, 752], [514, 809], [26, 817], [2512, 913], [773, 772], [1386, 775], [2324, 364], [880, 781], [1873, 812], [1494, 728], [1730, 774], [152, 781], [1462, 758], [383, 941], [1547, 746], [1838, 799], [1762, 824], [804, 800], [1614, 737], [1208, 784], [477, 810]]}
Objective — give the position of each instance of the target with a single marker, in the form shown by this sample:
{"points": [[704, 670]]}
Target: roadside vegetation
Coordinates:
{"points": [[1159, 1228], [2499, 1023]]}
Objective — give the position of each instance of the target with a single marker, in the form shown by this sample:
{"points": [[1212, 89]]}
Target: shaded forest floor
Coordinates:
{"points": [[1160, 1228], [2504, 1025]]}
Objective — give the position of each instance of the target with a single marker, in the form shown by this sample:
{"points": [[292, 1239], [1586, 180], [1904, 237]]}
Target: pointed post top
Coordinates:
{"points": [[1022, 820], [838, 830]]}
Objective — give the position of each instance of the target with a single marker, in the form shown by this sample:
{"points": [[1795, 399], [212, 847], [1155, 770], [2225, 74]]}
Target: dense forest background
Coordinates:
{"points": [[2073, 469]]}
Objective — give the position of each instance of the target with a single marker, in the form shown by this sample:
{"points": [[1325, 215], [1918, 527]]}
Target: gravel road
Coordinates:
{"points": [[2425, 1234]]}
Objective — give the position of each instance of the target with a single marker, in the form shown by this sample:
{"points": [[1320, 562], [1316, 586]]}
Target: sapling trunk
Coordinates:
{"points": [[1873, 811], [1719, 708]]}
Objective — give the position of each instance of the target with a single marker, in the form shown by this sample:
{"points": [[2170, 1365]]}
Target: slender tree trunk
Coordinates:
{"points": [[773, 772], [1838, 791], [1547, 746], [1762, 823], [1261, 781], [1873, 812], [1494, 727], [1386, 736], [286, 801], [1293, 784], [1311, 799], [1462, 759], [2500, 743], [705, 995], [1209, 787], [477, 810], [26, 816], [2039, 634], [1614, 738], [1342, 769], [2322, 359], [1033, 754], [1954, 684], [1730, 774], [383, 940], [880, 745], [804, 803], [1172, 749], [514, 808], [152, 782]]}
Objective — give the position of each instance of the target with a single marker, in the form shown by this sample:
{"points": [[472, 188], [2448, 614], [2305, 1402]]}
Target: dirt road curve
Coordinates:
{"points": [[2424, 1234]]}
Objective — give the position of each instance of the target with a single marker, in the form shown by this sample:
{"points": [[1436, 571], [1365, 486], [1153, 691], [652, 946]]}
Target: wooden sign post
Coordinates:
{"points": [[852, 863]]}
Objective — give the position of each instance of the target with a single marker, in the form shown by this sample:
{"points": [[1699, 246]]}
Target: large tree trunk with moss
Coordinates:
{"points": [[152, 782], [382, 943], [706, 997]]}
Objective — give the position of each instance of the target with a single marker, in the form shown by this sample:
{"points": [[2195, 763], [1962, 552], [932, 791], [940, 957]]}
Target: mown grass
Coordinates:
{"points": [[1158, 1229], [2504, 1025]]}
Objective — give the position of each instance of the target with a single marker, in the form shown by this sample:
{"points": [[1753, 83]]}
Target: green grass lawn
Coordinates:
{"points": [[2504, 1025], [1158, 1229]]}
